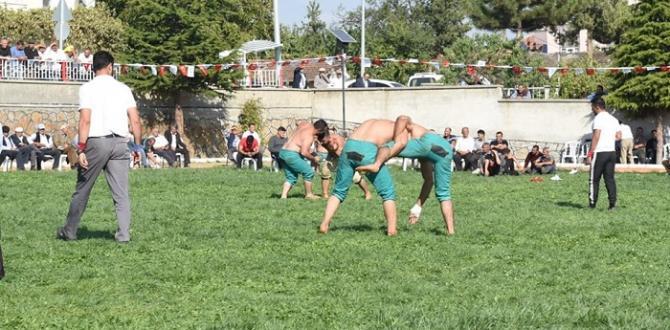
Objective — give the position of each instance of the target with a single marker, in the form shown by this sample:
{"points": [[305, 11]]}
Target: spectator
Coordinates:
{"points": [[652, 147], [23, 147], [491, 161], [480, 140], [249, 148], [150, 152], [336, 79], [529, 164], [232, 141], [177, 145], [364, 82], [447, 134], [5, 50], [639, 146], [276, 143], [321, 81], [7, 148], [44, 146], [545, 163], [67, 143], [507, 160], [626, 143], [521, 92], [69, 54], [666, 164], [600, 91], [465, 147], [54, 53], [252, 131], [299, 78], [17, 52], [31, 51], [161, 148], [86, 57], [41, 52]]}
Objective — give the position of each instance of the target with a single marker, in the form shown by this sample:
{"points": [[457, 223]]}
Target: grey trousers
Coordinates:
{"points": [[112, 156]]}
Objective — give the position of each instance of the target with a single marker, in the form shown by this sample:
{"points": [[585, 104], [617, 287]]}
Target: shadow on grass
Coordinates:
{"points": [[296, 195], [570, 204], [359, 228], [85, 233]]}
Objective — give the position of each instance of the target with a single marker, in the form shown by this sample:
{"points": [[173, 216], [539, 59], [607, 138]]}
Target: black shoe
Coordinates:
{"points": [[592, 205], [612, 207], [60, 234]]}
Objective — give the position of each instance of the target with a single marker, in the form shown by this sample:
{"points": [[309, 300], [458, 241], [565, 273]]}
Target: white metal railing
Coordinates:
{"points": [[542, 93], [263, 78], [15, 69]]}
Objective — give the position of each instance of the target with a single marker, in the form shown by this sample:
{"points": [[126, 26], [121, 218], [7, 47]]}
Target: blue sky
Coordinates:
{"points": [[294, 11]]}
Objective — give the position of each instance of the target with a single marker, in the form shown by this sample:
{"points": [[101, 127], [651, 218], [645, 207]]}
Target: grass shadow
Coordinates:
{"points": [[85, 233], [570, 204], [359, 228]]}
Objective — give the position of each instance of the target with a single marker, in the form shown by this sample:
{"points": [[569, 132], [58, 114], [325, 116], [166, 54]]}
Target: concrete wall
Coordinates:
{"points": [[29, 103]]}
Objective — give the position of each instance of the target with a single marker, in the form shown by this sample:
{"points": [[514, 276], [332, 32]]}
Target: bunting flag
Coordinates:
{"points": [[189, 71]]}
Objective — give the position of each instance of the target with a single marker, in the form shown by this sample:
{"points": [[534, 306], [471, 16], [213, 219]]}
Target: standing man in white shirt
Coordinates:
{"points": [[602, 155], [44, 146], [626, 138], [106, 108], [86, 57], [465, 147]]}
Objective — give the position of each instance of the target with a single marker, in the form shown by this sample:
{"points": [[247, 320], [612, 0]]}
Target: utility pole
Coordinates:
{"points": [[362, 38], [275, 4]]}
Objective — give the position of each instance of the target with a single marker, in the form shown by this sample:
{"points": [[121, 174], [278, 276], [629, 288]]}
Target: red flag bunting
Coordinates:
{"points": [[614, 71], [590, 71], [564, 71], [445, 64], [402, 62], [665, 68], [322, 60], [356, 59], [182, 70], [542, 70], [143, 70], [517, 70], [161, 71], [218, 67], [286, 63], [304, 62], [253, 67], [377, 61], [471, 70], [124, 69], [639, 70], [203, 70]]}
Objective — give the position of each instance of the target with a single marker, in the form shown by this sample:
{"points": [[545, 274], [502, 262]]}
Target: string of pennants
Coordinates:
{"points": [[471, 69]]}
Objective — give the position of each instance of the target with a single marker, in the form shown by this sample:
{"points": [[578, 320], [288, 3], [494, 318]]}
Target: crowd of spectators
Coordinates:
{"points": [[23, 51], [326, 79], [246, 146], [36, 148]]}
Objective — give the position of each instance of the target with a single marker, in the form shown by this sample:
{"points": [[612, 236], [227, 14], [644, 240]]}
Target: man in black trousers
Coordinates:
{"points": [[2, 265], [602, 155], [177, 144]]}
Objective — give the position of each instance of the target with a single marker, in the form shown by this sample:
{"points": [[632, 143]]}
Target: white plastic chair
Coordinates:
{"points": [[63, 159], [7, 164], [274, 166], [180, 159], [570, 151], [666, 151], [249, 162], [583, 151], [408, 162]]}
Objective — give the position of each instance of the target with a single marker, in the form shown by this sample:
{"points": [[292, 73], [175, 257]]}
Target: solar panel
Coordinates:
{"points": [[342, 35]]}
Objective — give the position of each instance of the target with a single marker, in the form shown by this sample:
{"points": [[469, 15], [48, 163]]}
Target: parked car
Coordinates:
{"points": [[378, 83], [419, 79]]}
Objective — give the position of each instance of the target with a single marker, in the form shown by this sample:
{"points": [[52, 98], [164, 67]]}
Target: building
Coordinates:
{"points": [[35, 4]]}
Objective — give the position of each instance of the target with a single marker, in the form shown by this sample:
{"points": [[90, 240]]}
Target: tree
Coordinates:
{"points": [[645, 42], [446, 18], [314, 31], [579, 86], [175, 32], [517, 15], [603, 19]]}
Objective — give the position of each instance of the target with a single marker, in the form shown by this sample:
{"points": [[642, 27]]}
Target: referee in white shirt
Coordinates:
{"points": [[106, 106], [602, 155]]}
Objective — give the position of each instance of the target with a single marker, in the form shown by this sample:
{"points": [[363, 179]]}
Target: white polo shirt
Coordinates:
{"points": [[109, 101], [626, 132], [465, 144], [608, 126]]}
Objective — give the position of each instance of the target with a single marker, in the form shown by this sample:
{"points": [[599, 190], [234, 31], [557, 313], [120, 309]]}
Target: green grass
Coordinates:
{"points": [[217, 249]]}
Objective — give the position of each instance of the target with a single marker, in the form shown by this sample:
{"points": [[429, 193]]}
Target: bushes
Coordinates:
{"points": [[252, 113]]}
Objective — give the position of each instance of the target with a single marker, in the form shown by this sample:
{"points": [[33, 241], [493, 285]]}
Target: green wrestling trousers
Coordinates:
{"points": [[357, 153]]}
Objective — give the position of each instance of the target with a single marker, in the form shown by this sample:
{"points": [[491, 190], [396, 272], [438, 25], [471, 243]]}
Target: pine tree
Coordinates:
{"points": [[517, 15], [646, 42], [603, 19]]}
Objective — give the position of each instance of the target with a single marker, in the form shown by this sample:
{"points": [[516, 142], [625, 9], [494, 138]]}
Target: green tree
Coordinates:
{"points": [[27, 25], [603, 19], [645, 42], [578, 85], [517, 15], [446, 19], [314, 36]]}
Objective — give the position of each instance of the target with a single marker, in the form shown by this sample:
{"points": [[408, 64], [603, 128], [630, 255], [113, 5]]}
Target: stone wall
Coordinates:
{"points": [[206, 117]]}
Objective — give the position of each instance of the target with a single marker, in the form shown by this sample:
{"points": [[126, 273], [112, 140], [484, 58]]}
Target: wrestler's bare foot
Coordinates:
{"points": [[283, 197], [372, 168], [368, 196], [413, 219], [392, 232], [312, 197], [323, 229], [326, 196]]}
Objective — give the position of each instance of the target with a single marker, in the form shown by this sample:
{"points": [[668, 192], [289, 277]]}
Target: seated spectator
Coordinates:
{"points": [[447, 135], [232, 141], [177, 144], [86, 57], [151, 157], [67, 144], [5, 50], [529, 164], [44, 146], [521, 92], [23, 147], [17, 52], [546, 163], [652, 147], [276, 143], [465, 152], [321, 81], [69, 54], [507, 159], [249, 148], [491, 161], [161, 148], [41, 52], [251, 131], [666, 164], [639, 146], [480, 140], [7, 148]]}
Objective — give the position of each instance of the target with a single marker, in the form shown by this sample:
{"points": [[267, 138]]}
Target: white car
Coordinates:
{"points": [[419, 79], [378, 83]]}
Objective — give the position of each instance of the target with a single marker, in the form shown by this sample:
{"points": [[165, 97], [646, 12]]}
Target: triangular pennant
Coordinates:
{"points": [[182, 70], [639, 70], [445, 63], [517, 70], [356, 60], [124, 69], [173, 69], [551, 71], [203, 70], [252, 67], [615, 71], [367, 63], [161, 71], [402, 62], [664, 68], [528, 69], [286, 63], [471, 70], [579, 71], [305, 62], [542, 70], [626, 70], [218, 67], [330, 60], [190, 71], [564, 71], [377, 61], [590, 71]]}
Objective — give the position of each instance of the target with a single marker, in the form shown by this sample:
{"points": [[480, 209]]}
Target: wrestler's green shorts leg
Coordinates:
{"points": [[357, 153], [441, 155], [295, 165]]}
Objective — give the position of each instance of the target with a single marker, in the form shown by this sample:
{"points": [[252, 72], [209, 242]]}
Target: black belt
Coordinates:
{"points": [[106, 136]]}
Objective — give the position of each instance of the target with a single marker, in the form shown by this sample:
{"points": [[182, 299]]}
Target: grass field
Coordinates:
{"points": [[216, 248]]}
